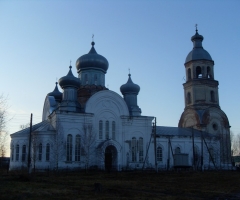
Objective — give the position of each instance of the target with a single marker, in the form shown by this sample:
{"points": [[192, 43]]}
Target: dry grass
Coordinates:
{"points": [[121, 185]]}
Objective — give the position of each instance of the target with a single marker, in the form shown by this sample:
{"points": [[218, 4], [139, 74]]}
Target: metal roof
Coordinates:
{"points": [[181, 132]]}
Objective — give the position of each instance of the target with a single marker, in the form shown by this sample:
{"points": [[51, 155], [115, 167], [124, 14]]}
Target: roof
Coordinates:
{"points": [[42, 126], [181, 132], [198, 52]]}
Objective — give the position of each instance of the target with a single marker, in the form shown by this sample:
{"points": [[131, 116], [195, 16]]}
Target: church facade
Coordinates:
{"points": [[89, 126]]}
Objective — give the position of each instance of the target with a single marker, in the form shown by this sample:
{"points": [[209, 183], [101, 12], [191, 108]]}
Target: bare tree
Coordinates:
{"points": [[24, 126], [36, 153], [4, 135], [58, 148], [88, 144], [235, 143]]}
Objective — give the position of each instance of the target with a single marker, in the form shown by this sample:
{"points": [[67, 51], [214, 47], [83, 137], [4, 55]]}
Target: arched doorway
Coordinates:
{"points": [[110, 158]]}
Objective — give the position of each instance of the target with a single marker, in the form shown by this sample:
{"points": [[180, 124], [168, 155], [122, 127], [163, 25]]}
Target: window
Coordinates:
{"points": [[24, 153], [86, 78], [17, 152], [40, 152], [211, 155], [140, 149], [189, 74], [69, 147], [189, 98], [134, 149], [159, 154], [209, 73], [212, 96], [196, 155], [107, 130], [198, 72], [177, 150], [77, 147], [95, 79], [113, 130], [12, 152], [100, 129], [48, 152]]}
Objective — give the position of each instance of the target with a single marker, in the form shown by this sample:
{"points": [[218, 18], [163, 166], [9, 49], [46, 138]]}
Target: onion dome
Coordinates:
{"points": [[92, 60], [198, 52], [69, 80], [130, 87], [56, 94]]}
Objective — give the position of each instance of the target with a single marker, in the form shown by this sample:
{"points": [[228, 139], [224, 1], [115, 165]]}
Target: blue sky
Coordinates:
{"points": [[152, 38]]}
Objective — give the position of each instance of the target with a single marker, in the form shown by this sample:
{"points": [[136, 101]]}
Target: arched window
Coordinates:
{"points": [[189, 98], [196, 155], [23, 153], [159, 154], [17, 152], [177, 150], [86, 78], [69, 147], [212, 96], [40, 152], [95, 79], [209, 72], [113, 130], [100, 129], [107, 130], [77, 148], [211, 155], [140, 149], [134, 149], [198, 72], [189, 74], [12, 152], [48, 152]]}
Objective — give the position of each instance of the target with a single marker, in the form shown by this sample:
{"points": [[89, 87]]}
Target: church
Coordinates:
{"points": [[89, 126]]}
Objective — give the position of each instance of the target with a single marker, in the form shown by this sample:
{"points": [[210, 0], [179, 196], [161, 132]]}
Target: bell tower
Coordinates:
{"points": [[202, 110], [201, 89]]}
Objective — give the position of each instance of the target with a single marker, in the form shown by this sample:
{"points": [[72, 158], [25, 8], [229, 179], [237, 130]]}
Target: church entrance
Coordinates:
{"points": [[110, 158]]}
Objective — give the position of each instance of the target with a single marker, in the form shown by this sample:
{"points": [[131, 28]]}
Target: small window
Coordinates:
{"points": [[95, 79], [212, 96], [198, 72], [189, 98], [69, 147], [177, 150], [215, 127], [48, 152], [77, 148], [107, 130], [159, 154], [100, 129], [86, 79], [12, 152], [140, 149], [17, 152], [113, 130], [24, 153], [40, 152], [189, 74], [134, 149]]}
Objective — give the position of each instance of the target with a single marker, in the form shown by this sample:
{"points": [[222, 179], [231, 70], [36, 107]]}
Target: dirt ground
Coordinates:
{"points": [[121, 185]]}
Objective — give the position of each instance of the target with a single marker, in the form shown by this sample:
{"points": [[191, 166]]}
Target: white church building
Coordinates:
{"points": [[89, 126]]}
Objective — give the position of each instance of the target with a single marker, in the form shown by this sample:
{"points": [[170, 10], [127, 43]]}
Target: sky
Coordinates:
{"points": [[38, 39]]}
